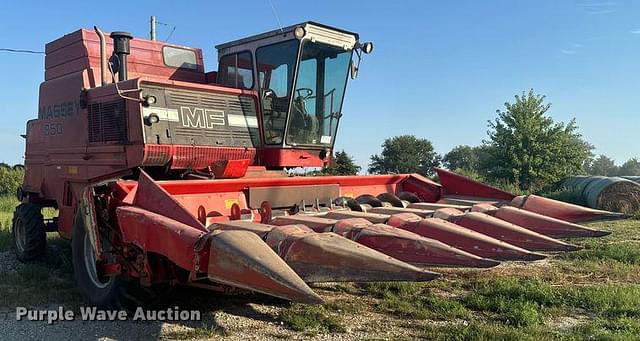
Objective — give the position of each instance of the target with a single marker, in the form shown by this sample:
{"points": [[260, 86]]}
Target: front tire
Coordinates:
{"points": [[28, 232], [114, 292]]}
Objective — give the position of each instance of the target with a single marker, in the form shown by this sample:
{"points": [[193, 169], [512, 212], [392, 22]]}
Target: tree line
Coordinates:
{"points": [[525, 150], [10, 178]]}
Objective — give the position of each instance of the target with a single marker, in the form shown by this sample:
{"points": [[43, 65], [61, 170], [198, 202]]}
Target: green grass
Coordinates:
{"points": [[48, 280], [414, 300], [486, 331], [599, 284], [598, 329], [312, 319], [206, 331], [7, 205], [37, 284], [623, 252]]}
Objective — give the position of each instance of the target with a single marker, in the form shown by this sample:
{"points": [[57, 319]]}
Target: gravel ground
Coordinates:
{"points": [[242, 317]]}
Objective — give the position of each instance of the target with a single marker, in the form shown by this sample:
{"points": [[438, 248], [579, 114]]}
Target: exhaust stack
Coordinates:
{"points": [[121, 50], [103, 57]]}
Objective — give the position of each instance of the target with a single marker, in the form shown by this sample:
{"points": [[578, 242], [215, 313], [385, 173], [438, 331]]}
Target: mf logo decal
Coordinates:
{"points": [[202, 117]]}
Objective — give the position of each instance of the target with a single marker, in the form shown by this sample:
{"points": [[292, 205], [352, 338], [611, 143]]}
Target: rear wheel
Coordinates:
{"points": [[28, 232], [107, 292]]}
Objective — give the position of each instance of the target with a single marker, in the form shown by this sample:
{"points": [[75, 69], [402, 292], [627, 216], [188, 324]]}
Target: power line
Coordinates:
{"points": [[173, 29], [20, 51]]}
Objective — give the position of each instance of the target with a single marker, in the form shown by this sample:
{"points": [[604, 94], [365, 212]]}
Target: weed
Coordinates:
{"points": [[312, 319], [206, 331], [624, 252]]}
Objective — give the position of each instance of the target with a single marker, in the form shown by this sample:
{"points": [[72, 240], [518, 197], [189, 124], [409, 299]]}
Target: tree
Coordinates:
{"points": [[602, 165], [464, 157], [10, 180], [405, 154], [631, 167], [342, 164], [527, 148]]}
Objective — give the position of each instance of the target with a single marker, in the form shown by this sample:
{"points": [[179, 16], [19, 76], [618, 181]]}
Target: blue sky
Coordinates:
{"points": [[440, 69]]}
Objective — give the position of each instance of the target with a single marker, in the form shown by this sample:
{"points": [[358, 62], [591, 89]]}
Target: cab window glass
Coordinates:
{"points": [[236, 70], [179, 58], [276, 67]]}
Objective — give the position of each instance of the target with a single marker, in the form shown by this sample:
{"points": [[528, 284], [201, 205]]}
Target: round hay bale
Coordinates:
{"points": [[632, 178], [574, 183], [613, 194], [578, 184]]}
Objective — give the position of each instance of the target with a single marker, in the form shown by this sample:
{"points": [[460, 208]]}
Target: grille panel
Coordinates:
{"points": [[107, 122]]}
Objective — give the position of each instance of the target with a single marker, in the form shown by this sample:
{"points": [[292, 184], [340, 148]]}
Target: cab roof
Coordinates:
{"points": [[276, 32]]}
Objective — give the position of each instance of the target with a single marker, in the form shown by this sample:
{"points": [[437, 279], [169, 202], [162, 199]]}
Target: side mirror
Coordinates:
{"points": [[360, 48], [367, 47]]}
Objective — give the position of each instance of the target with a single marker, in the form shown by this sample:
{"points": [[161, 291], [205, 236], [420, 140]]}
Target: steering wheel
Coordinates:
{"points": [[300, 90]]}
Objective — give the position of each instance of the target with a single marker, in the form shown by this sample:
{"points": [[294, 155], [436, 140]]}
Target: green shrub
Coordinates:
{"points": [[10, 180], [566, 195]]}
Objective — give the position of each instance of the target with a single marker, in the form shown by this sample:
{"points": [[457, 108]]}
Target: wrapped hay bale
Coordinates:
{"points": [[607, 193], [632, 178]]}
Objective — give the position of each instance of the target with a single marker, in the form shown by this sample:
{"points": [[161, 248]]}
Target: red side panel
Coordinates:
{"points": [[454, 184], [154, 198], [276, 157], [80, 50], [422, 187], [561, 210], [157, 233], [195, 157], [545, 225]]}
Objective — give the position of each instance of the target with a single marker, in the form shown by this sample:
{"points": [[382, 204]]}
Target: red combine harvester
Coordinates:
{"points": [[164, 174]]}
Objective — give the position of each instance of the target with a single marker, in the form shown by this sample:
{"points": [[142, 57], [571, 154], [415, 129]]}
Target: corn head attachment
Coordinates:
{"points": [[328, 257], [271, 235]]}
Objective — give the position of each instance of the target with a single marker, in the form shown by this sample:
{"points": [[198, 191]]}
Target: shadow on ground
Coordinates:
{"points": [[47, 284]]}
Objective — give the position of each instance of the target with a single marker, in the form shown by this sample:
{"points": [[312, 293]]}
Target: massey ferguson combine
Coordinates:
{"points": [[164, 174]]}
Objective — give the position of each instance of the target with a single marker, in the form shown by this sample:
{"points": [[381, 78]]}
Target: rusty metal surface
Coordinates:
{"points": [[505, 231], [157, 233], [436, 206], [545, 225], [242, 259], [468, 200], [562, 210], [292, 195], [328, 257], [484, 208], [318, 224], [409, 247], [260, 229], [396, 210], [372, 217], [463, 238]]}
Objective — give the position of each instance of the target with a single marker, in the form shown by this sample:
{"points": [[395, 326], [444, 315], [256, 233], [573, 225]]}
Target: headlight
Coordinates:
{"points": [[299, 32], [150, 100]]}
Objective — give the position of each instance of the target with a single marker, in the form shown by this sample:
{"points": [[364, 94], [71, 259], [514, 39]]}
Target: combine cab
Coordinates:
{"points": [[164, 174]]}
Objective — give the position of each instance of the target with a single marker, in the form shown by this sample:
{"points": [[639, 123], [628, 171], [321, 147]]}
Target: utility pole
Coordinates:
{"points": [[152, 32]]}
